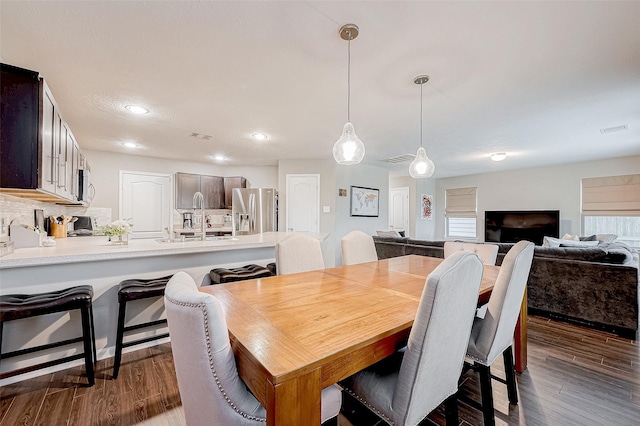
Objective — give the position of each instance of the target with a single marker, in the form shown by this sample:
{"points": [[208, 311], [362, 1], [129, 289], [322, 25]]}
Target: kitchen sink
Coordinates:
{"points": [[222, 238], [195, 239]]}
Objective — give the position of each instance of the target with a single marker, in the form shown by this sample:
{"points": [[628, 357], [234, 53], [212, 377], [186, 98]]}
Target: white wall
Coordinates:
{"points": [[326, 170], [426, 228], [106, 166], [539, 188], [368, 177], [338, 222], [421, 229]]}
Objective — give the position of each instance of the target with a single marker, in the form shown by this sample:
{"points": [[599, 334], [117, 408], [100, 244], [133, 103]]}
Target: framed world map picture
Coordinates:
{"points": [[364, 201]]}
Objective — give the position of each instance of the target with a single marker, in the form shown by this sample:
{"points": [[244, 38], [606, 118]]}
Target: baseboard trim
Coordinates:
{"points": [[627, 333]]}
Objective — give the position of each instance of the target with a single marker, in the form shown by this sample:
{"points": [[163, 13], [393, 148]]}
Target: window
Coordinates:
{"points": [[463, 227], [611, 205], [460, 213], [627, 228]]}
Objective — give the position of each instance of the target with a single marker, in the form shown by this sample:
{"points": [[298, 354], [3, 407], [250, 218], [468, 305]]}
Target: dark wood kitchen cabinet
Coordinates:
{"points": [[36, 145], [229, 184], [211, 187]]}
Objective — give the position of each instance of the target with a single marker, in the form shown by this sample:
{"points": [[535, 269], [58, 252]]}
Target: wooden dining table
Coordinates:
{"points": [[294, 335]]}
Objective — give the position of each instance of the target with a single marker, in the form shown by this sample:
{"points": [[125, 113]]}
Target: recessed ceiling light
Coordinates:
{"points": [[259, 136], [130, 144], [498, 156], [219, 157], [136, 109]]}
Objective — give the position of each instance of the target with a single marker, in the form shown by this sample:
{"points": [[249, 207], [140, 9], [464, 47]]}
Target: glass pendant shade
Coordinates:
{"points": [[349, 149], [421, 166]]}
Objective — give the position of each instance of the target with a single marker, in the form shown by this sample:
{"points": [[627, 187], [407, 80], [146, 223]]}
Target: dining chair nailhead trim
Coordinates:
{"points": [[482, 361], [211, 364], [371, 407]]}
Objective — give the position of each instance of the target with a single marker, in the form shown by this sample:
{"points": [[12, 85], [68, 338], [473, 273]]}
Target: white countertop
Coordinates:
{"points": [[83, 249]]}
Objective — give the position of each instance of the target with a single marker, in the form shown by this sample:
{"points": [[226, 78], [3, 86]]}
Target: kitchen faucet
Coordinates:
{"points": [[198, 198]]}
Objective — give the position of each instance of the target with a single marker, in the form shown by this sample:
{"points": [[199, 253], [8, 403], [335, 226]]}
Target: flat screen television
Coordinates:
{"points": [[513, 226]]}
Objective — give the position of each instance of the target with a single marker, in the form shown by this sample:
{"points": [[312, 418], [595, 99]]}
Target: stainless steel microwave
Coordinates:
{"points": [[83, 185]]}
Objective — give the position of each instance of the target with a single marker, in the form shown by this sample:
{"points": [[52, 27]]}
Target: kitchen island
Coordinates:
{"points": [[93, 261]]}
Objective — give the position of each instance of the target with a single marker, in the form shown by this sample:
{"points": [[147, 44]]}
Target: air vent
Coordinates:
{"points": [[201, 136], [614, 129], [399, 158]]}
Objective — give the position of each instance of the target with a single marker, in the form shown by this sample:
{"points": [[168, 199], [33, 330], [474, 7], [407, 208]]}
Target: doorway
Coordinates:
{"points": [[145, 202], [399, 209], [303, 203]]}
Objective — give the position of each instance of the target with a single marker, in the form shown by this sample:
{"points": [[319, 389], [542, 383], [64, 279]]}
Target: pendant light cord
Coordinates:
{"points": [[349, 81], [421, 115]]}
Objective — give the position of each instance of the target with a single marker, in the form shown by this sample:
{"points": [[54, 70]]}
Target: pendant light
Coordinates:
{"points": [[349, 149], [421, 166]]}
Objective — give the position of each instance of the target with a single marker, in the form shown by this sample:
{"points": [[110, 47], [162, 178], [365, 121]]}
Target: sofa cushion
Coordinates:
{"points": [[591, 254], [389, 234], [426, 243]]}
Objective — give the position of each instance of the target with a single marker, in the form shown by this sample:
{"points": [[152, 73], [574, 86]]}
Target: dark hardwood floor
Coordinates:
{"points": [[576, 376]]}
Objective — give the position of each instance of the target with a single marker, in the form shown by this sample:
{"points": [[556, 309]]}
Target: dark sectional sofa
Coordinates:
{"points": [[594, 286]]}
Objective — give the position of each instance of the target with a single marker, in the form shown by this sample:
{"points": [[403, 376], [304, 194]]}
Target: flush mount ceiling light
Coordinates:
{"points": [[219, 157], [130, 144], [421, 166], [136, 109], [499, 156], [349, 149], [259, 136]]}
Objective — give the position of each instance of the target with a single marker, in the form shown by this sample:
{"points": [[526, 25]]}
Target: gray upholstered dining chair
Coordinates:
{"points": [[298, 253], [488, 253], [404, 388], [210, 388], [493, 335], [358, 247]]}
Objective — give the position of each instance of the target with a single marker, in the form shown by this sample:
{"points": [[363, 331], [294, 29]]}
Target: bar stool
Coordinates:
{"points": [[247, 272], [20, 306], [136, 289], [272, 267]]}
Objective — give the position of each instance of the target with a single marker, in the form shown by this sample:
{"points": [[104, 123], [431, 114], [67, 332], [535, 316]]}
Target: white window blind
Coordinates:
{"points": [[461, 227], [460, 212], [611, 196], [460, 202]]}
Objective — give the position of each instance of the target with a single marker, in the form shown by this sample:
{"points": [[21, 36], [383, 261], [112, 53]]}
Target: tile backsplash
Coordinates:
{"points": [[21, 210]]}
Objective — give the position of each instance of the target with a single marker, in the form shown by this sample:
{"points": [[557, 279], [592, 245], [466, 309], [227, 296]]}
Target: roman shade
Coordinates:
{"points": [[611, 196], [460, 202]]}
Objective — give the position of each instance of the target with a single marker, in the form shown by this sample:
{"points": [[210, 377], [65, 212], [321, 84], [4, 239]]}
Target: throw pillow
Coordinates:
{"points": [[606, 238], [589, 238], [570, 237], [551, 242]]}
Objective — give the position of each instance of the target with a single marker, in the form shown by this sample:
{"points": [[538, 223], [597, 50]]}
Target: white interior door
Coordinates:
{"points": [[399, 209], [145, 201], [303, 203]]}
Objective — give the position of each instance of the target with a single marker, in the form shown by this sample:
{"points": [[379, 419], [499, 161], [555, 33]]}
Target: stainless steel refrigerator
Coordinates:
{"points": [[254, 210]]}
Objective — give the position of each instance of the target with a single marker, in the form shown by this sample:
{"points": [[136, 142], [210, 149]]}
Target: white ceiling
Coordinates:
{"points": [[537, 80]]}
